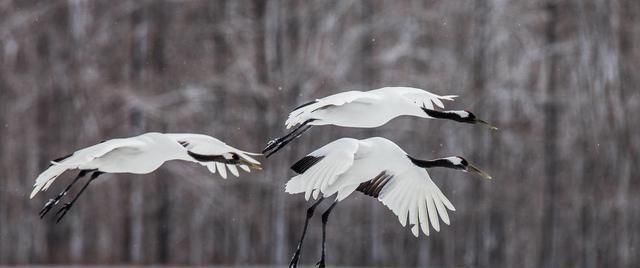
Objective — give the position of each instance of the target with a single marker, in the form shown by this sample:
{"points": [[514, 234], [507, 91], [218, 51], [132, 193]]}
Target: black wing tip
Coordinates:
{"points": [[305, 163]]}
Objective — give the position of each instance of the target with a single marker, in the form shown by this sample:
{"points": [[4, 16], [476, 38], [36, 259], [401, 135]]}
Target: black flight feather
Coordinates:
{"points": [[374, 186], [305, 163]]}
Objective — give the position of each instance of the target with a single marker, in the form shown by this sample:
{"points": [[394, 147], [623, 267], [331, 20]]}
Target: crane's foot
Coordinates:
{"points": [[45, 209], [271, 144], [63, 211], [294, 260], [320, 264], [274, 141]]}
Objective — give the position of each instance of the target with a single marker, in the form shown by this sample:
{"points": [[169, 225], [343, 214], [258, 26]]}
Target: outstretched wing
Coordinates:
{"points": [[322, 167], [410, 194], [305, 112], [215, 154], [80, 159], [418, 96]]}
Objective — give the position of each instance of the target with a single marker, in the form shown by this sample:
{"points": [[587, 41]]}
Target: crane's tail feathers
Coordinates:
{"points": [[292, 121], [302, 115], [296, 118], [46, 178]]}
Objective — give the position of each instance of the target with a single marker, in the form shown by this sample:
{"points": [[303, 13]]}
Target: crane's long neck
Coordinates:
{"points": [[440, 162], [449, 115]]}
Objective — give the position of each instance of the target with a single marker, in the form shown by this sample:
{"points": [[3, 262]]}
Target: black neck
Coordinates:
{"points": [[432, 163], [212, 158], [443, 115]]}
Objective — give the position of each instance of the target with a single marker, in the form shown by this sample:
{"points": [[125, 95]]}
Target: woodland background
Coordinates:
{"points": [[560, 79]]}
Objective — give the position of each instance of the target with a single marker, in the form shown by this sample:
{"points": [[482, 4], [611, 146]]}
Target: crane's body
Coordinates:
{"points": [[368, 109], [143, 154], [379, 168], [347, 163], [138, 155]]}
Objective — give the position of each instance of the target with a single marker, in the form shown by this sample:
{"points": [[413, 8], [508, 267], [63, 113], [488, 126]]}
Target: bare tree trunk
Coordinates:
{"points": [[475, 248], [135, 220], [163, 189], [548, 245]]}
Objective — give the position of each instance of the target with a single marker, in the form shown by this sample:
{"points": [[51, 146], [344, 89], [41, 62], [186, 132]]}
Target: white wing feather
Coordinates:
{"points": [[302, 114], [233, 170], [413, 193], [207, 145], [418, 96], [80, 158], [337, 157], [221, 168]]}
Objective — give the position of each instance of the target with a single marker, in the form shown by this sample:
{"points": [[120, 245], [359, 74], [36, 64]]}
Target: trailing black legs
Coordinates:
{"points": [[275, 145], [52, 202], [63, 210], [296, 255], [325, 218]]}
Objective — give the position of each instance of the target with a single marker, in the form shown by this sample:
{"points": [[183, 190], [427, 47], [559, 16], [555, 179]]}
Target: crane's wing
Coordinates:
{"points": [[80, 159], [305, 111], [411, 193], [215, 154], [322, 167], [418, 96]]}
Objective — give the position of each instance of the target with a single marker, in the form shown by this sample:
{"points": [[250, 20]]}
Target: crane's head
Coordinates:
{"points": [[453, 162], [465, 116], [458, 162]]}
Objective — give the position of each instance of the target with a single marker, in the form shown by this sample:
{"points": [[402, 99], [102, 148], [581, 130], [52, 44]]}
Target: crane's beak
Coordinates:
{"points": [[483, 123], [250, 164], [473, 169]]}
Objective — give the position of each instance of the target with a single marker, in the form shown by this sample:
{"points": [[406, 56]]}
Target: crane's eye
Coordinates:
{"points": [[463, 162]]}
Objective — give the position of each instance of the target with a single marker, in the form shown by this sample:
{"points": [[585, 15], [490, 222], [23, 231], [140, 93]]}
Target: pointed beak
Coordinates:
{"points": [[483, 123], [473, 169], [250, 164]]}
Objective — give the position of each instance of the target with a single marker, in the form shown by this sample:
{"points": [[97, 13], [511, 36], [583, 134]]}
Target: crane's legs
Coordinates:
{"points": [[272, 143], [325, 218], [52, 202], [275, 145], [287, 141], [67, 206], [310, 210]]}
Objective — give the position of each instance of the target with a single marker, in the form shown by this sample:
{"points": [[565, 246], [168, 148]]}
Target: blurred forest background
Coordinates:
{"points": [[559, 78]]}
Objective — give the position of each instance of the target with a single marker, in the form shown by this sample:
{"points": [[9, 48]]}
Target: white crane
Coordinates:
{"points": [[368, 109], [379, 168], [140, 155]]}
